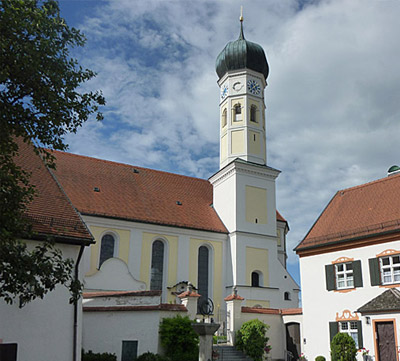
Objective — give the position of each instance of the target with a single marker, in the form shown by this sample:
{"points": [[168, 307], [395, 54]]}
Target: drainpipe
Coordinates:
{"points": [[75, 346]]}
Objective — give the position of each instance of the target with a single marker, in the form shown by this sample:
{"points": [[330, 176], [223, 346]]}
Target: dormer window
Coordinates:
{"points": [[237, 113]]}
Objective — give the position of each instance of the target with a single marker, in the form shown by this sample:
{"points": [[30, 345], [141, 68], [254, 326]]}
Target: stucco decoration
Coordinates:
{"points": [[346, 316], [113, 275], [343, 260], [388, 252]]}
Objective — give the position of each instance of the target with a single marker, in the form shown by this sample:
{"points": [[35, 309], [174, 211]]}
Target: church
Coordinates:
{"points": [[156, 233]]}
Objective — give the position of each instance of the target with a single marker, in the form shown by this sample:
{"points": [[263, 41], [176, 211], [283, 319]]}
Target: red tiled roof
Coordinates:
{"points": [[233, 297], [359, 212], [138, 194], [188, 294], [120, 294], [273, 311], [279, 217], [291, 311], [160, 307], [50, 212]]}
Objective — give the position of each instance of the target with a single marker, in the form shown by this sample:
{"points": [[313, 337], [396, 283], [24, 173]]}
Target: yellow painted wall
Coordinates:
{"points": [[256, 205], [224, 147], [257, 260], [172, 257], [234, 102], [216, 267], [98, 232], [254, 143], [262, 303], [237, 142]]}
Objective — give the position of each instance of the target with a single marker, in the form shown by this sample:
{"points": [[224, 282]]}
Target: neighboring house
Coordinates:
{"points": [[350, 271], [155, 230], [45, 329]]}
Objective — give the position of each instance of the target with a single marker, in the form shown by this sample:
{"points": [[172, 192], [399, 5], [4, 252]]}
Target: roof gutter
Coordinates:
{"points": [[76, 304]]}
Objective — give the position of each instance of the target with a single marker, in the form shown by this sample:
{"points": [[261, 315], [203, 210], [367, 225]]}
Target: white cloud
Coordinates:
{"points": [[332, 99]]}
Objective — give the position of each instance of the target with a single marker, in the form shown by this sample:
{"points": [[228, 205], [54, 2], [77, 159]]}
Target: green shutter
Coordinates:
{"points": [[357, 274], [330, 277], [360, 336], [374, 271], [333, 329]]}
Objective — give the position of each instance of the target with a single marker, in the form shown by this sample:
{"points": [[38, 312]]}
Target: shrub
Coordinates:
{"points": [[149, 356], [343, 348], [179, 340], [320, 358], [251, 339], [219, 338], [90, 356]]}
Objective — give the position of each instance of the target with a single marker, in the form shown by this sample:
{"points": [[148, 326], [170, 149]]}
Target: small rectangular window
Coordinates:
{"points": [[390, 269], [344, 275]]}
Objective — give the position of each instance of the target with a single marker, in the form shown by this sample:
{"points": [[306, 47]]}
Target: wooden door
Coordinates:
{"points": [[385, 340]]}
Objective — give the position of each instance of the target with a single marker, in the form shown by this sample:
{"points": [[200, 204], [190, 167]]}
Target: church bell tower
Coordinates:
{"points": [[242, 69], [244, 187]]}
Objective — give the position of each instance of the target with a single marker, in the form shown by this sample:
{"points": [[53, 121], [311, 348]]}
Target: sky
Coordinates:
{"points": [[332, 97]]}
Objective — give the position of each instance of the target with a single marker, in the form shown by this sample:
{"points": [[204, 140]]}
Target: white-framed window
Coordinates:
{"points": [[351, 328], [390, 269], [344, 275], [157, 265]]}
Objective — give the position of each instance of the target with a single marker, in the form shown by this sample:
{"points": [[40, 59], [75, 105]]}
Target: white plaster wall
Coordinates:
{"points": [[320, 306], [43, 329], [105, 331]]}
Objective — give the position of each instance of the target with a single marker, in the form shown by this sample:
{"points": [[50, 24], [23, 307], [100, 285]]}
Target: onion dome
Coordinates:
{"points": [[240, 54], [393, 168]]}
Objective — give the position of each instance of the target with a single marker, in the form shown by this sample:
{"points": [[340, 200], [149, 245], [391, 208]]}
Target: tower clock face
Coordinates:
{"points": [[224, 92], [253, 87]]}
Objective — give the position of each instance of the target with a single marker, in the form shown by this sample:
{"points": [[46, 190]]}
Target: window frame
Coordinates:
{"points": [[224, 118], [391, 267], [347, 278], [253, 110], [163, 275], [237, 116], [115, 250], [350, 330], [330, 275]]}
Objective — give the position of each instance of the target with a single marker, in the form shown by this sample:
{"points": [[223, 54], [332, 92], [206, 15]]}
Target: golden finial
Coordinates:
{"points": [[241, 14]]}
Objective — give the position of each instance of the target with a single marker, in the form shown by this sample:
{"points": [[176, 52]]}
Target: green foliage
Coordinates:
{"points": [[219, 338], [251, 339], [149, 356], [320, 358], [90, 356], [179, 340], [343, 348], [39, 103]]}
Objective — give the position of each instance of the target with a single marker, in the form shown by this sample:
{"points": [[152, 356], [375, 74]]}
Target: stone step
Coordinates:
{"points": [[229, 353]]}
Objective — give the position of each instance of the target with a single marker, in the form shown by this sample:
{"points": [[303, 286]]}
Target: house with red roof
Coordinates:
{"points": [[350, 271], [47, 329]]}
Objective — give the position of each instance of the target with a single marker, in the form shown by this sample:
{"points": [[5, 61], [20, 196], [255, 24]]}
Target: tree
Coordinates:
{"points": [[343, 348], [252, 340], [178, 338], [40, 102]]}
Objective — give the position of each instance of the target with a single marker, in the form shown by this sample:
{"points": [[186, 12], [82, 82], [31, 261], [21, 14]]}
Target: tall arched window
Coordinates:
{"points": [[237, 111], [253, 114], [224, 118], [107, 248], [202, 273], [157, 265], [255, 279]]}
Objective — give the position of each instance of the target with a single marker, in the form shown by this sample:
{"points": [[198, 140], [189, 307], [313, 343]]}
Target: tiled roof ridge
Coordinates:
{"points": [[127, 165], [370, 183], [355, 231]]}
